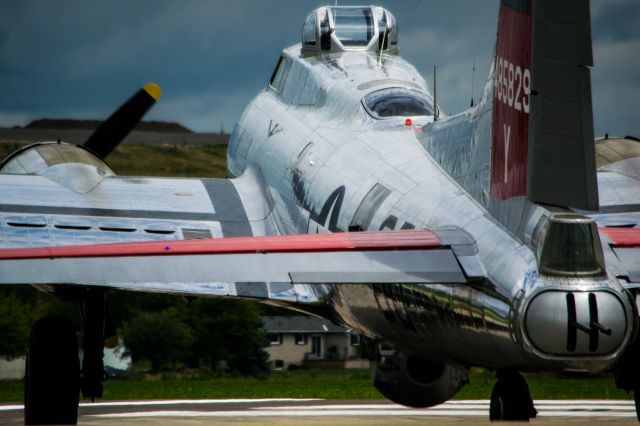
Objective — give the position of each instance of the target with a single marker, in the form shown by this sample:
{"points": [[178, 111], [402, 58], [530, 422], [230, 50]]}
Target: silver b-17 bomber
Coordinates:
{"points": [[487, 238]]}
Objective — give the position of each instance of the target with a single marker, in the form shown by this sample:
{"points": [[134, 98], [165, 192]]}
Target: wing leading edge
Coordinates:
{"points": [[263, 267]]}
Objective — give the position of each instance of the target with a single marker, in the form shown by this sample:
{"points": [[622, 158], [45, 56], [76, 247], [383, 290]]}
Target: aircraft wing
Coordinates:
{"points": [[66, 219], [618, 216], [624, 253], [68, 209], [260, 267]]}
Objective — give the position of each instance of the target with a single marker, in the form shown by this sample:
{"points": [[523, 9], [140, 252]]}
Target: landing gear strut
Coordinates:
{"points": [[53, 378], [52, 373], [511, 399], [93, 311], [627, 373]]}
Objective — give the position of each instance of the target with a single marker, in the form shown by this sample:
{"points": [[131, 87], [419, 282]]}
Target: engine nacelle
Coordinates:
{"points": [[413, 381], [72, 166]]}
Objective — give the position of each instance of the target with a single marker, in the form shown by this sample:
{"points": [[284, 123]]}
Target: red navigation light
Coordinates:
{"points": [[408, 122]]}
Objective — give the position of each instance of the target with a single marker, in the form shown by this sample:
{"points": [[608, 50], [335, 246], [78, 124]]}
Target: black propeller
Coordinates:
{"points": [[114, 129]]}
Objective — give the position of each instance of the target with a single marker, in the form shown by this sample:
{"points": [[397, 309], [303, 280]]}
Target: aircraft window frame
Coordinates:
{"points": [[366, 103], [274, 74], [280, 73]]}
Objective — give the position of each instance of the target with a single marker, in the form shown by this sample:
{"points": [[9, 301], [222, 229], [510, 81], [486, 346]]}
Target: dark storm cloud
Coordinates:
{"points": [[616, 20], [73, 58], [87, 56], [615, 78], [442, 35]]}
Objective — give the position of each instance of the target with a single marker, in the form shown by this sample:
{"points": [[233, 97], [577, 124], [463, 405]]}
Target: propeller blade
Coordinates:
{"points": [[114, 129]]}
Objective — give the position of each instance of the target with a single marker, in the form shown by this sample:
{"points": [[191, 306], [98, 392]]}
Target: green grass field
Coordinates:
{"points": [[328, 384], [169, 160], [159, 160]]}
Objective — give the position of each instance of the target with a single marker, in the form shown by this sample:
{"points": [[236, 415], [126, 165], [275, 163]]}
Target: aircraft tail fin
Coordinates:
{"points": [[542, 126]]}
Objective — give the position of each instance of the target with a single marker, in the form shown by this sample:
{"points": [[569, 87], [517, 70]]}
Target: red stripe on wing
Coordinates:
{"points": [[623, 237], [342, 241]]}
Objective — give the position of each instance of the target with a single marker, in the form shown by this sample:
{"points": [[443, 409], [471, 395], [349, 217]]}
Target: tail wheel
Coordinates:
{"points": [[52, 373], [511, 399]]}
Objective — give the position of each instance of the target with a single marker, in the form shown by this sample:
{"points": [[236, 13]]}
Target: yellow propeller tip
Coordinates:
{"points": [[153, 90]]}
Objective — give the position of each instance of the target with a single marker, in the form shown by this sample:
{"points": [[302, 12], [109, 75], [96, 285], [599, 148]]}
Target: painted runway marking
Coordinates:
{"points": [[463, 408], [192, 401], [300, 413], [173, 402], [291, 407]]}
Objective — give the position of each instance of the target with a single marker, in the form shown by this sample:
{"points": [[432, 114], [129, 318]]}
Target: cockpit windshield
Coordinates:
{"points": [[354, 25], [397, 102]]}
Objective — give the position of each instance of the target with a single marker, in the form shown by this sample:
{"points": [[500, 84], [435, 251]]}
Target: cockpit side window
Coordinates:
{"points": [[397, 102], [279, 76]]}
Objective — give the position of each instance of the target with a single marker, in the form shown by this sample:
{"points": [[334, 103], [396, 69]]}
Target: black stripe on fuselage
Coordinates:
{"points": [[229, 209], [234, 223]]}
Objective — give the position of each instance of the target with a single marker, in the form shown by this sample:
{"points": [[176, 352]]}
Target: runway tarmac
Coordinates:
{"points": [[312, 412]]}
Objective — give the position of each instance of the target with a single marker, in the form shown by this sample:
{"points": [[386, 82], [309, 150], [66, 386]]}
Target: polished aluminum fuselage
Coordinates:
{"points": [[307, 158], [330, 167]]}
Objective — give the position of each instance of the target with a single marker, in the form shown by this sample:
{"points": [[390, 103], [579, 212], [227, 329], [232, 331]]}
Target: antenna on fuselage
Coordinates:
{"points": [[473, 79], [384, 35], [386, 30], [435, 95]]}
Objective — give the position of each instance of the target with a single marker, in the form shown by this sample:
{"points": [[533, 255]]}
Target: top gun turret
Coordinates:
{"points": [[344, 28]]}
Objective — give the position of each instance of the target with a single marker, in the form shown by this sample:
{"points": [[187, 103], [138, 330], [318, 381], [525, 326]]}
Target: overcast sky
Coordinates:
{"points": [[81, 59]]}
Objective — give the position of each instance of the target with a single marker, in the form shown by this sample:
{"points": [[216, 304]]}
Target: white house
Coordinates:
{"points": [[301, 341]]}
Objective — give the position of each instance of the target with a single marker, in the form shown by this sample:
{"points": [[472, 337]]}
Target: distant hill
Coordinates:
{"points": [[67, 123]]}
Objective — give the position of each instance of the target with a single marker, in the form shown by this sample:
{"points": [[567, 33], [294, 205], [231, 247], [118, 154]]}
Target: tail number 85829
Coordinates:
{"points": [[512, 85]]}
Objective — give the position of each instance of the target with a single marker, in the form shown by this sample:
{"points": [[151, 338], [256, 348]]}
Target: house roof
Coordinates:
{"points": [[300, 324]]}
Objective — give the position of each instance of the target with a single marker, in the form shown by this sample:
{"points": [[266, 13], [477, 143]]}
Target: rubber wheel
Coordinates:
{"points": [[52, 373], [511, 400]]}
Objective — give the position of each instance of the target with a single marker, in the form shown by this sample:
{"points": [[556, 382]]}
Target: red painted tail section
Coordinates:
{"points": [[542, 120], [511, 101]]}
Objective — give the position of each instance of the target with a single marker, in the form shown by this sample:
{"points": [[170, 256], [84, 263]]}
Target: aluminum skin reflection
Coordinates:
{"points": [[586, 322]]}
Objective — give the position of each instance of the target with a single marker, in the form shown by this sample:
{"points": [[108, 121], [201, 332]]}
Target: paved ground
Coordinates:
{"points": [[324, 412]]}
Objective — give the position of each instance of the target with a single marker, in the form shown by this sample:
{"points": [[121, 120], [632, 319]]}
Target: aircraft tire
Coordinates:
{"points": [[52, 373], [511, 400]]}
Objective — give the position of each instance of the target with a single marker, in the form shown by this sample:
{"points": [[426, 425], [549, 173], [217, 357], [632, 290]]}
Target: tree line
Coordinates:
{"points": [[166, 332], [169, 332]]}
